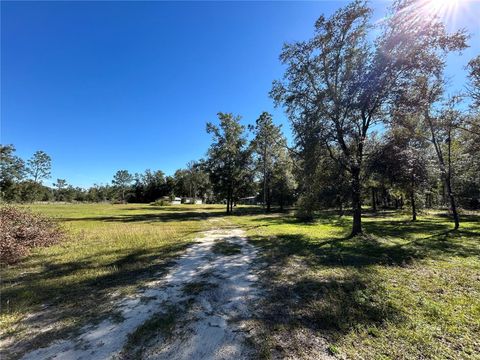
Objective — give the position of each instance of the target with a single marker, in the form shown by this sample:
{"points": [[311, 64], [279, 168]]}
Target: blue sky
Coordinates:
{"points": [[103, 86]]}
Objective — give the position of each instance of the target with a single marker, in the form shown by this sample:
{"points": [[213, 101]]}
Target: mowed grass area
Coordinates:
{"points": [[404, 291], [111, 250]]}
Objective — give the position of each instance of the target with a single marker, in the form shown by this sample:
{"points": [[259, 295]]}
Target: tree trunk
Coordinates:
{"points": [[414, 209], [280, 201], [412, 200], [374, 203], [269, 199], [229, 199], [356, 202], [453, 205], [340, 205], [448, 182], [444, 193], [264, 190], [264, 175]]}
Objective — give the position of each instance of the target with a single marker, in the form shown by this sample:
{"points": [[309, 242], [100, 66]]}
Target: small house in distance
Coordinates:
{"points": [[190, 200], [176, 201], [250, 200]]}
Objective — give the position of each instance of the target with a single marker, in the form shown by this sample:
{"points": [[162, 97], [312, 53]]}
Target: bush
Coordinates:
{"points": [[306, 207], [21, 230], [162, 202]]}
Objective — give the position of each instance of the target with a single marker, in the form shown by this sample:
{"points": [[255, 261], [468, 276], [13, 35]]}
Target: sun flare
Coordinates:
{"points": [[451, 12], [444, 9]]}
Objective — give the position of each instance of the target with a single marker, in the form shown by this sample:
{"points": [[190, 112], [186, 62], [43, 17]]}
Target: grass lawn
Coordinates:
{"points": [[404, 291], [111, 251]]}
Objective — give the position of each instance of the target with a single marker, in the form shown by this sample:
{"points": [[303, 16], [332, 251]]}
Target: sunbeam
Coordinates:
{"points": [[451, 12]]}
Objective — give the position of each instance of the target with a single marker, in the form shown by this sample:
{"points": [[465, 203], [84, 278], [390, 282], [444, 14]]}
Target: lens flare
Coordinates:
{"points": [[447, 10], [451, 12]]}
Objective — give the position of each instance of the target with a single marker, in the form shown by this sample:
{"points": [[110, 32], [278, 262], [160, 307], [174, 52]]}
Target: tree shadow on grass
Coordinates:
{"points": [[474, 218], [353, 294], [323, 306], [336, 252], [174, 208], [166, 215], [86, 300], [331, 305], [150, 217], [374, 248], [291, 219], [130, 268], [405, 229]]}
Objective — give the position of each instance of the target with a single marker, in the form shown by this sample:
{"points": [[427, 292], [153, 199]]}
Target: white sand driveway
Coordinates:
{"points": [[212, 293]]}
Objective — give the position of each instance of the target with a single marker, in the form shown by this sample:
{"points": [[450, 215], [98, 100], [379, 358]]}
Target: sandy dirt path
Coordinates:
{"points": [[211, 287]]}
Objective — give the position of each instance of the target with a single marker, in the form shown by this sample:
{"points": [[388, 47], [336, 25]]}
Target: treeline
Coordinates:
{"points": [[235, 170], [23, 181]]}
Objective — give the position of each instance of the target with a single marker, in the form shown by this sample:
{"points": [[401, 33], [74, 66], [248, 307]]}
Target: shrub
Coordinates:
{"points": [[306, 207], [162, 202], [22, 230]]}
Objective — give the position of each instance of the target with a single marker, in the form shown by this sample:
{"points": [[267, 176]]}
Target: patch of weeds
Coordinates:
{"points": [[147, 299], [161, 323], [226, 248], [10, 325], [260, 341], [374, 331], [196, 287], [332, 349], [207, 274], [117, 317]]}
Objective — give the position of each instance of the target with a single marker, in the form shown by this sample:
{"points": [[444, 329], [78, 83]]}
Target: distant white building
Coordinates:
{"points": [[250, 200], [189, 200], [176, 201]]}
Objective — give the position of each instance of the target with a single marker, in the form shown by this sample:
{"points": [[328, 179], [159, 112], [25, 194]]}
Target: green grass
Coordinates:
{"points": [[159, 324], [404, 291], [111, 250], [197, 287], [226, 248]]}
